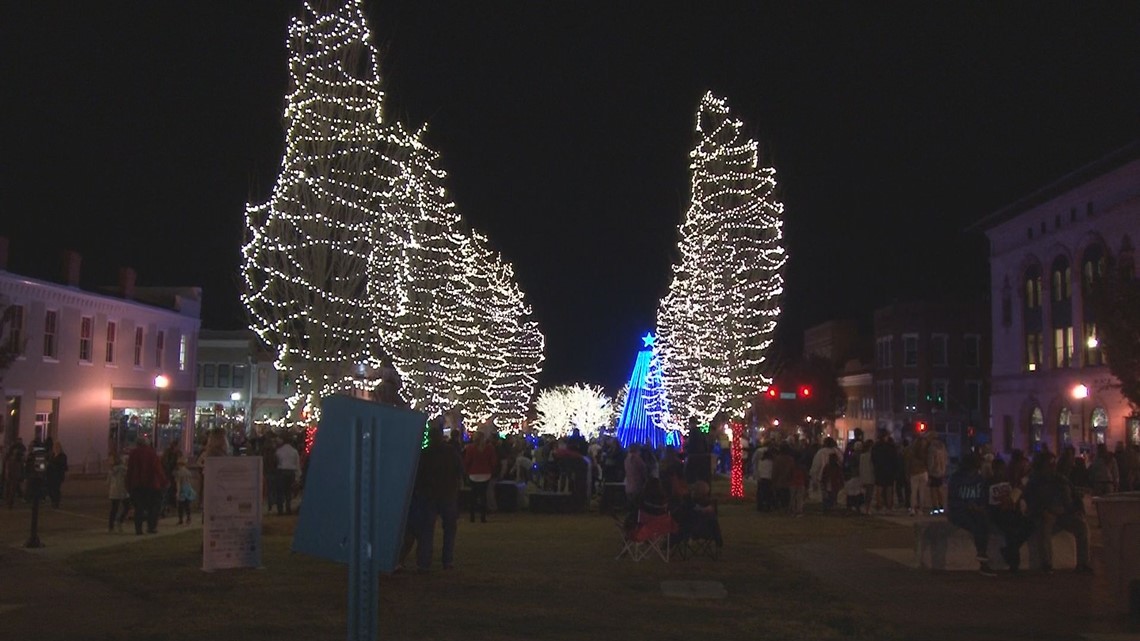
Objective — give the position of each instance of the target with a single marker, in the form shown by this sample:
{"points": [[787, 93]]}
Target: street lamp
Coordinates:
{"points": [[1081, 392], [161, 382]]}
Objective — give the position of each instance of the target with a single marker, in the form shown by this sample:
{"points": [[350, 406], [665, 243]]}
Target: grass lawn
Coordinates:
{"points": [[521, 576]]}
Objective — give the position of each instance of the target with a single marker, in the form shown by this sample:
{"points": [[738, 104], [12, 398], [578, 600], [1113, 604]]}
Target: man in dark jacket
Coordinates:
{"points": [[436, 494], [968, 499], [1054, 506]]}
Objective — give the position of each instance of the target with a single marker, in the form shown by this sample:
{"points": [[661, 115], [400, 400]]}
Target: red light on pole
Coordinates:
{"points": [[772, 392], [805, 391]]}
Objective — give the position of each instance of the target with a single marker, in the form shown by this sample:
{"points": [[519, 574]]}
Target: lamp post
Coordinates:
{"points": [[1081, 392], [161, 382]]}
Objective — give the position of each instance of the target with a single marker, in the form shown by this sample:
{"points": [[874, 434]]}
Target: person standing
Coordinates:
{"points": [[288, 462], [698, 457], [914, 457], [269, 471], [117, 493], [636, 474], [884, 458], [183, 484], [145, 480], [436, 495], [479, 462], [14, 471], [937, 462], [56, 470]]}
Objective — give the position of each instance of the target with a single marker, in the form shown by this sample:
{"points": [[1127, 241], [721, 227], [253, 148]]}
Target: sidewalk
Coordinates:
{"points": [[962, 605]]}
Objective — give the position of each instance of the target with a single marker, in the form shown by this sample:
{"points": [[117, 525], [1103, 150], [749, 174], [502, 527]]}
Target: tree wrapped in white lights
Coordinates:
{"points": [[717, 320], [319, 265], [565, 407], [359, 258]]}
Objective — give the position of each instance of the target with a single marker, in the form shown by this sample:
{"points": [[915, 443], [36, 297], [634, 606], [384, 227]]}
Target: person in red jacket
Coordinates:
{"points": [[144, 482], [479, 464]]}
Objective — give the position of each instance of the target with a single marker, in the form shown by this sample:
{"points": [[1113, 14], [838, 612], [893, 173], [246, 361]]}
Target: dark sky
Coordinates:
{"points": [[134, 132]]}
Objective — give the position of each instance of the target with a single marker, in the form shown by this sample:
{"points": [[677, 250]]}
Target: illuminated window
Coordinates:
{"points": [[182, 356], [159, 347], [86, 330], [138, 346], [112, 329], [51, 319]]}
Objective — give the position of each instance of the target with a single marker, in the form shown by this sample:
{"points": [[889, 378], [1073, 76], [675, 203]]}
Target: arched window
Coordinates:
{"points": [[1032, 319], [1093, 264], [1062, 279], [1032, 282], [1099, 424], [1064, 429], [1062, 312], [1036, 429]]}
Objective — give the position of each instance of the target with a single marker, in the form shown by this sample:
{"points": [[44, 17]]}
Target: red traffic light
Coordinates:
{"points": [[920, 427], [805, 391], [772, 392]]}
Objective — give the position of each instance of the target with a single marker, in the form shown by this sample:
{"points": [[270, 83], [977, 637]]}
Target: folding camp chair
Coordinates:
{"points": [[650, 534], [700, 540]]}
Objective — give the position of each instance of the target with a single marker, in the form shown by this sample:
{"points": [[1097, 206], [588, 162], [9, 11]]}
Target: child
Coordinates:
{"points": [[185, 488], [831, 481], [797, 484], [117, 492], [854, 491]]}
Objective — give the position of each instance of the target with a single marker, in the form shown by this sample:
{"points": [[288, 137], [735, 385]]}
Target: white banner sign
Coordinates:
{"points": [[231, 504]]}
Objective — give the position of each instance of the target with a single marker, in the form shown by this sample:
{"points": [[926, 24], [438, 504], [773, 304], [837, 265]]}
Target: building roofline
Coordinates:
{"points": [[1068, 182]]}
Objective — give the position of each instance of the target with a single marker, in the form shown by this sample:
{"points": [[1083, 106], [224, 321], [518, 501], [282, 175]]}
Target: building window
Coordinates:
{"points": [[223, 374], [159, 348], [86, 330], [1062, 280], [262, 380], [1033, 351], [868, 408], [938, 353], [1032, 288], [1063, 346], [972, 352], [974, 396], [910, 350], [939, 389], [883, 352], [238, 376], [208, 374], [884, 400], [910, 395], [138, 346], [282, 383], [51, 321], [182, 355], [15, 316], [112, 330], [1093, 354], [1093, 265]]}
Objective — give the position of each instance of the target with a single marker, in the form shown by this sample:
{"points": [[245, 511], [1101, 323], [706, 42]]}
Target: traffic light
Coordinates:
{"points": [[920, 427], [773, 392], [805, 391]]}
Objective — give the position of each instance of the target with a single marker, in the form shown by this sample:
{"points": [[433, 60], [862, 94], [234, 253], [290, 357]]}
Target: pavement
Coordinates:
{"points": [[37, 583]]}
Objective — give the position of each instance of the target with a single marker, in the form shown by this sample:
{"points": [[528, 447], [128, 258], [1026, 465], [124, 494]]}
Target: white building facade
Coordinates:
{"points": [[88, 373], [1050, 385]]}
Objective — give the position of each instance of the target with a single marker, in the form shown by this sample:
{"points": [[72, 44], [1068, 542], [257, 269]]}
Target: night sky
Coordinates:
{"points": [[135, 132]]}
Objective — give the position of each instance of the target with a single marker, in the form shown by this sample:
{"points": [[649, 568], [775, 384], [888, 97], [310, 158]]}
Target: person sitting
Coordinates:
{"points": [[967, 508], [1005, 513], [696, 516], [1053, 507]]}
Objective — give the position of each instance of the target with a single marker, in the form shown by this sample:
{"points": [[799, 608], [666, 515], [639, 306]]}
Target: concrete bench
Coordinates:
{"points": [[940, 545]]}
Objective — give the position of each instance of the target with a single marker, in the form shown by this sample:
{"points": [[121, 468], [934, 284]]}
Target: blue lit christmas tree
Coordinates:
{"points": [[645, 401]]}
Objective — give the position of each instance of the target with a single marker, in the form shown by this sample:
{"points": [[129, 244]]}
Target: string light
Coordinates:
{"points": [[564, 407], [717, 321], [359, 260]]}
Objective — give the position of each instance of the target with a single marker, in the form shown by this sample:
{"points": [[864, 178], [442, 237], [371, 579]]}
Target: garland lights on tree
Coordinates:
{"points": [[319, 247], [636, 424], [566, 407], [359, 258], [718, 318]]}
